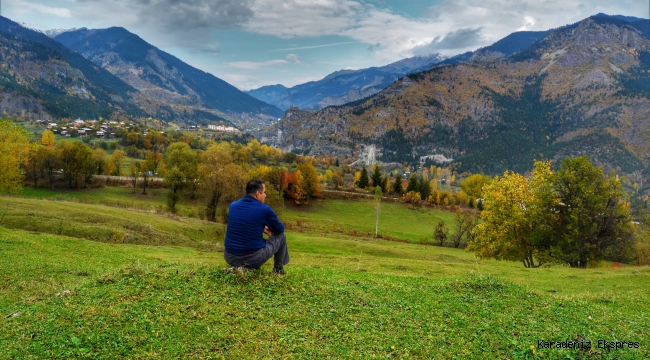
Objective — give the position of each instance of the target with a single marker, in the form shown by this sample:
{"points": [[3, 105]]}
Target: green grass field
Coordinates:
{"points": [[397, 221], [161, 292]]}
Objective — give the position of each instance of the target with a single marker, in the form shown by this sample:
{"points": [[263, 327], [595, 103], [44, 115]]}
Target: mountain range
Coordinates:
{"points": [[579, 89], [112, 72], [39, 74], [343, 86], [167, 87]]}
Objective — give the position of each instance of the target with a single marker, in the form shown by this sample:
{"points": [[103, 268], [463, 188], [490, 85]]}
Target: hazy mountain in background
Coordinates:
{"points": [[166, 87], [343, 86], [582, 89]]}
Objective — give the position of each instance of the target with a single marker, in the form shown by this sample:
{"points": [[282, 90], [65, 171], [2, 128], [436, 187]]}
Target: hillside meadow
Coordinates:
{"points": [[80, 278]]}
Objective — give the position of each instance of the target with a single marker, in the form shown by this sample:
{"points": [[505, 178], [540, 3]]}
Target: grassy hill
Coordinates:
{"points": [[63, 296]]}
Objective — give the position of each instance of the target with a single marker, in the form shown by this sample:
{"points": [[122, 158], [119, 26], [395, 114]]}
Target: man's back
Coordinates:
{"points": [[246, 221]]}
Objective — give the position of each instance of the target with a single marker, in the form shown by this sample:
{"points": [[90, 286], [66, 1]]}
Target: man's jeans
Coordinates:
{"points": [[276, 247]]}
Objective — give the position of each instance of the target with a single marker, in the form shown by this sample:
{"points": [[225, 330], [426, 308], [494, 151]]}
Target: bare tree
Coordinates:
{"points": [[441, 231], [378, 194], [464, 222]]}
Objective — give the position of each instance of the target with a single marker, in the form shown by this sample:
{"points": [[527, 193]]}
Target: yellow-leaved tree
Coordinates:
{"points": [[473, 185], [14, 148], [310, 180], [48, 139], [221, 178], [515, 217]]}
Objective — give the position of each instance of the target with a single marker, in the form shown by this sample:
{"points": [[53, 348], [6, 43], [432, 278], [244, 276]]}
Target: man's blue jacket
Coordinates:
{"points": [[246, 220]]}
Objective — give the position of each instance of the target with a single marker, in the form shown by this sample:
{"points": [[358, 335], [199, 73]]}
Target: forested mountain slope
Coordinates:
{"points": [[38, 74], [167, 87], [583, 89]]}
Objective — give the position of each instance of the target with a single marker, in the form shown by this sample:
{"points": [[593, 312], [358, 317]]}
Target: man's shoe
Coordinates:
{"points": [[279, 271]]}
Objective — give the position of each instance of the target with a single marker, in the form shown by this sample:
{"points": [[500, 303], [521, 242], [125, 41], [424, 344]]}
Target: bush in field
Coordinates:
{"points": [[412, 197]]}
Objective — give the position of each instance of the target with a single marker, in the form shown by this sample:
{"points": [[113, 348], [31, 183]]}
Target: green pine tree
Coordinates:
{"points": [[363, 181], [425, 189], [413, 184], [376, 177], [397, 185], [384, 184]]}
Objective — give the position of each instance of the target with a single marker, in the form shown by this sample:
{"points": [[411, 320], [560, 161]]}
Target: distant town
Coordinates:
{"points": [[103, 129]]}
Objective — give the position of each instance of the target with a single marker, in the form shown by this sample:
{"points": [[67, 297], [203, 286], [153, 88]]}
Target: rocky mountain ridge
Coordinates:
{"points": [[166, 86], [39, 75], [343, 86], [582, 89]]}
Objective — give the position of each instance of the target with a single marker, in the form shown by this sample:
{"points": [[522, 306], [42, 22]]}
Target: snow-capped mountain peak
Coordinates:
{"points": [[52, 33], [56, 32]]}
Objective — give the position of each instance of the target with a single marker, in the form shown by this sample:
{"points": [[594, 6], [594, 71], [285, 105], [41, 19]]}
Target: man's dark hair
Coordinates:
{"points": [[254, 186]]}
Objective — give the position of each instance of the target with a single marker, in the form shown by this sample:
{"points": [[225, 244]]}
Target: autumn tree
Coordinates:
{"points": [[154, 158], [473, 185], [220, 177], [34, 163], [117, 159], [47, 138], [277, 179], [76, 160], [182, 171], [134, 170], [14, 148], [441, 232], [101, 161], [515, 219], [51, 163], [309, 180], [464, 222], [337, 180], [295, 189], [593, 219]]}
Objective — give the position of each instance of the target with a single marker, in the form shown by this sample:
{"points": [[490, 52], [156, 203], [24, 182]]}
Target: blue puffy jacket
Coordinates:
{"points": [[246, 220]]}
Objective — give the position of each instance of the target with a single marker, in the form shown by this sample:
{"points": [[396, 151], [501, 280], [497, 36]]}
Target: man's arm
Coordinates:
{"points": [[274, 226]]}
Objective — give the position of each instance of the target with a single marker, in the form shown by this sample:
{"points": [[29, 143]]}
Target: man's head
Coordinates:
{"points": [[256, 189]]}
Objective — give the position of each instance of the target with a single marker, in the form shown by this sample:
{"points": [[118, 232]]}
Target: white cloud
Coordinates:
{"points": [[316, 46], [528, 22], [291, 18], [393, 35], [252, 65], [26, 6], [294, 58]]}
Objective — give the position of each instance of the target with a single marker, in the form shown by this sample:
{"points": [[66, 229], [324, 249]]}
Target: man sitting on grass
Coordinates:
{"points": [[248, 219]]}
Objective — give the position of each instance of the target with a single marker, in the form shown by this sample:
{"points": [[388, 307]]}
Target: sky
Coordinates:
{"points": [[251, 43]]}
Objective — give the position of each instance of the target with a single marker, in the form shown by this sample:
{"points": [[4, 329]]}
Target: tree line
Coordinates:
{"points": [[216, 175], [575, 215]]}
